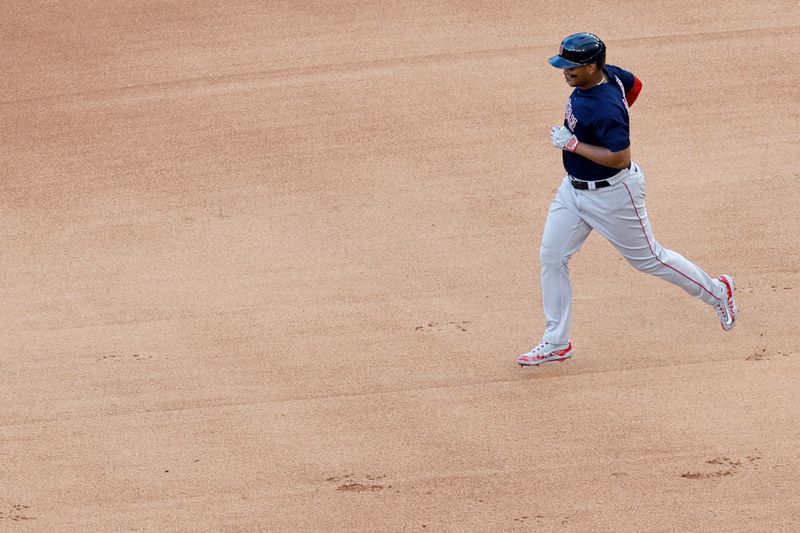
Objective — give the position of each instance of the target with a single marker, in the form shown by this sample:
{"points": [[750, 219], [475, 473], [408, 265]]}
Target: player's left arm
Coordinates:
{"points": [[633, 93], [631, 85]]}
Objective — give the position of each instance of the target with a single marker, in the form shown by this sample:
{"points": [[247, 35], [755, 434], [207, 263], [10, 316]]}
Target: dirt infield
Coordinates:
{"points": [[267, 266]]}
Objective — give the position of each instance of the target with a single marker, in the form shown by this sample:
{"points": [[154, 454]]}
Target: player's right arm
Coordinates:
{"points": [[603, 156], [613, 130]]}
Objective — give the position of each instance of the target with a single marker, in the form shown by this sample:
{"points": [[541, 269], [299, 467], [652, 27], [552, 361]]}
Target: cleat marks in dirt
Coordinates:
{"points": [[780, 287], [440, 326], [366, 483], [723, 466], [16, 513], [763, 354], [117, 358]]}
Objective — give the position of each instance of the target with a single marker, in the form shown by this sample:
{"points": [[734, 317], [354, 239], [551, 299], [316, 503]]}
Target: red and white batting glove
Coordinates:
{"points": [[563, 138]]}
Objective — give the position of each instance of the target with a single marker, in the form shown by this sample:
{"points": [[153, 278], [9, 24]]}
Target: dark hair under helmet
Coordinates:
{"points": [[579, 49]]}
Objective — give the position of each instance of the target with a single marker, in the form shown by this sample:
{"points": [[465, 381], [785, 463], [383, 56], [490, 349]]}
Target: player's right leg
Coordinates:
{"points": [[564, 234]]}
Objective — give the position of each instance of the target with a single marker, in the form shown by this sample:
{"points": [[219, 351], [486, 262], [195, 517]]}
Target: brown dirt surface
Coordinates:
{"points": [[266, 266]]}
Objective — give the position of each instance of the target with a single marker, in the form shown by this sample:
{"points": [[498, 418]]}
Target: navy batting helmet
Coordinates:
{"points": [[580, 49]]}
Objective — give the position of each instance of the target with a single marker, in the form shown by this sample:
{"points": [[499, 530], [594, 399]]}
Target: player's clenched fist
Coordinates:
{"points": [[563, 138]]}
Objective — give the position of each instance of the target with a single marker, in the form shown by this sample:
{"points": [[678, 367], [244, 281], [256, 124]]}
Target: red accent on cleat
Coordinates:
{"points": [[545, 354]]}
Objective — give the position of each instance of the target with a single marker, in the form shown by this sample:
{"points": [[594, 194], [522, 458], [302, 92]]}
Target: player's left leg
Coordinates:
{"points": [[619, 214]]}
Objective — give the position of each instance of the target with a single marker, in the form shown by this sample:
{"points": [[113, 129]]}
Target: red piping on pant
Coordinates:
{"points": [[654, 253]]}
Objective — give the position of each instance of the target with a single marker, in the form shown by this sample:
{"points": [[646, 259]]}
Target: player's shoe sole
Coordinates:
{"points": [[537, 357]]}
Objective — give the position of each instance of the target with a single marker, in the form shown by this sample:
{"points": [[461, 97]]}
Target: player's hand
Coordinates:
{"points": [[563, 138]]}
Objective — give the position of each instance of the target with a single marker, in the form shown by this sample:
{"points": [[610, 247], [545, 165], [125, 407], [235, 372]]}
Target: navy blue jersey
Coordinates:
{"points": [[599, 116]]}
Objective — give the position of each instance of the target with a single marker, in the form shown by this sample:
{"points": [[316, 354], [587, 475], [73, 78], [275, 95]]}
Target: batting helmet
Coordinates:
{"points": [[580, 49]]}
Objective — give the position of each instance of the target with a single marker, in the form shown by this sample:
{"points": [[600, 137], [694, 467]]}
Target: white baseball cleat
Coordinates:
{"points": [[726, 308], [544, 353]]}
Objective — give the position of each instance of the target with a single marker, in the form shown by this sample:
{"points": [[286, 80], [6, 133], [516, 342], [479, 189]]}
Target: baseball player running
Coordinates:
{"points": [[604, 190]]}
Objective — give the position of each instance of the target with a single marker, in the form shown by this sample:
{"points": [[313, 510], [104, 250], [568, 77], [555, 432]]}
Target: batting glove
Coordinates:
{"points": [[563, 138]]}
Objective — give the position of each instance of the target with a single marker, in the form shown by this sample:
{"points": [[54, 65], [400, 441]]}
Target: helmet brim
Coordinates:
{"points": [[560, 62]]}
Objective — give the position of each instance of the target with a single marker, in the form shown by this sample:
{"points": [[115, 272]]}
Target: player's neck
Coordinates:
{"points": [[595, 80]]}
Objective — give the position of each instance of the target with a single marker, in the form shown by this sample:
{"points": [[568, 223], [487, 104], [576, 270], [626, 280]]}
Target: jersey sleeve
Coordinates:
{"points": [[630, 83], [633, 93], [613, 132], [627, 78]]}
